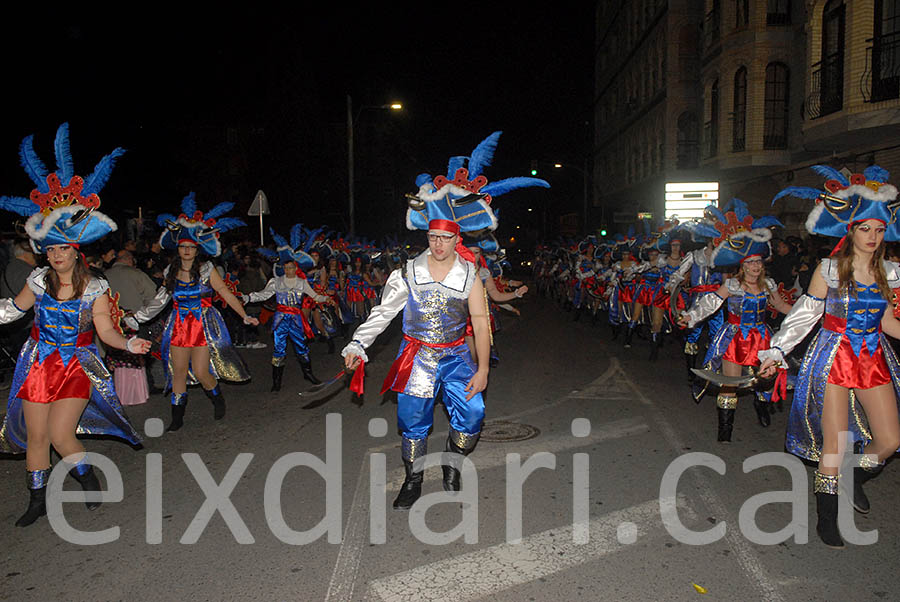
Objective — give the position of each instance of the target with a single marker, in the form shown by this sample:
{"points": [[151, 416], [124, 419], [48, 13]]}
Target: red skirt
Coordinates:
{"points": [[187, 332], [742, 351], [861, 371], [49, 381]]}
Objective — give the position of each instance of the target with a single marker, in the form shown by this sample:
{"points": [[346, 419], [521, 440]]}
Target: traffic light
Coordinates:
{"points": [[603, 232], [534, 169]]}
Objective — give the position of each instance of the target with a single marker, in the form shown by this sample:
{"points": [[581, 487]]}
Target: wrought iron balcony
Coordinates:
{"points": [[827, 87], [881, 78]]}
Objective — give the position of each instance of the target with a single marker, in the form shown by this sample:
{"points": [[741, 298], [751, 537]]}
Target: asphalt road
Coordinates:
{"points": [[609, 426]]}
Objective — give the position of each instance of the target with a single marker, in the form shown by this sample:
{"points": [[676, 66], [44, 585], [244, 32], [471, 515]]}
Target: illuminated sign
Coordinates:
{"points": [[689, 199]]}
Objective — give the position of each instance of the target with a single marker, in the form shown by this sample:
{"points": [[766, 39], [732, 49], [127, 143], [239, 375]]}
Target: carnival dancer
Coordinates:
{"points": [[584, 275], [495, 295], [697, 271], [359, 290], [744, 243], [60, 387], [849, 360], [652, 293], [623, 288], [289, 287], [436, 291], [196, 346]]}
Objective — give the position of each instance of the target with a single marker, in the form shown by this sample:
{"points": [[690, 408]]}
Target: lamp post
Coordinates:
{"points": [[395, 106]]}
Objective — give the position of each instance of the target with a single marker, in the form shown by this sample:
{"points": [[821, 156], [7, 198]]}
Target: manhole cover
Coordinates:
{"points": [[500, 431]]}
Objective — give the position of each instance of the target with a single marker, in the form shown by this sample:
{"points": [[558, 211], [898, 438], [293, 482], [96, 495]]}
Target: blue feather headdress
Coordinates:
{"points": [[193, 226], [740, 235], [464, 195], [62, 209], [845, 201], [287, 252]]}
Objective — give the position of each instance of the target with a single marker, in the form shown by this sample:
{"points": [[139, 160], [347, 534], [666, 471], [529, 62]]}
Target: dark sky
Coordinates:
{"points": [[165, 86]]}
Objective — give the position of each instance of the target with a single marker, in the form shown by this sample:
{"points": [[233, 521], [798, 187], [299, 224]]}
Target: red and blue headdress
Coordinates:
{"points": [[464, 196], [62, 210], [738, 235], [194, 226], [845, 201], [297, 250]]}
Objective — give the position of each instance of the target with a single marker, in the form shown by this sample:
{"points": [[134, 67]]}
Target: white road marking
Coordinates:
{"points": [[497, 568], [346, 567], [747, 558]]}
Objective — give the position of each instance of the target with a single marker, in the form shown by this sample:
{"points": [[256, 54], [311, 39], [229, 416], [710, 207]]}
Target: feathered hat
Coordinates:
{"points": [[295, 250], [736, 234], [194, 226], [461, 201], [845, 201], [62, 210]]}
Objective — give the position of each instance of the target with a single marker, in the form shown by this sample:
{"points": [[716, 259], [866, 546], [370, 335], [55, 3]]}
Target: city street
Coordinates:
{"points": [[607, 423]]}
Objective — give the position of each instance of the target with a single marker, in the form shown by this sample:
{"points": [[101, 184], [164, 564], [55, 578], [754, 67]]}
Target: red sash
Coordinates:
{"points": [[295, 311], [400, 370]]}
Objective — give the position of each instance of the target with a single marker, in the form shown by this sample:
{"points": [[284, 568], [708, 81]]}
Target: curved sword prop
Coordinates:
{"points": [[740, 382]]}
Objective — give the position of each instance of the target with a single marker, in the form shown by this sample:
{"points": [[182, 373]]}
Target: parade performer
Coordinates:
{"points": [[495, 295], [656, 272], [196, 346], [743, 242], [289, 286], [60, 386], [849, 362], [436, 291], [622, 281], [701, 280]]}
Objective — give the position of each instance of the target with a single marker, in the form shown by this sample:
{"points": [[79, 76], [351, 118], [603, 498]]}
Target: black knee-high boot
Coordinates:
{"points": [[629, 332], [867, 469], [277, 373], [179, 405], [84, 474], [457, 447], [826, 489], [725, 406], [215, 396], [411, 489], [37, 501], [655, 343], [306, 367]]}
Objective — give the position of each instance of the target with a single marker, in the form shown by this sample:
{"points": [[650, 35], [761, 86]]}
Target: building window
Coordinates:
{"points": [[688, 148], [741, 13], [885, 51], [739, 125], [775, 113], [712, 26], [778, 12], [711, 127], [829, 72]]}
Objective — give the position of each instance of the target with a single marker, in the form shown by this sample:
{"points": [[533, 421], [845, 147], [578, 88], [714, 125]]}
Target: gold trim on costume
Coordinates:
{"points": [[726, 402], [825, 483]]}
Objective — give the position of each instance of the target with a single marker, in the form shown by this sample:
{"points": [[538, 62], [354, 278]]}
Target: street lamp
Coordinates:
{"points": [[394, 106]]}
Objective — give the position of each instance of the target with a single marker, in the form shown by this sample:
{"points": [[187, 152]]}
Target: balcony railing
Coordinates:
{"points": [[881, 78], [827, 87], [710, 147]]}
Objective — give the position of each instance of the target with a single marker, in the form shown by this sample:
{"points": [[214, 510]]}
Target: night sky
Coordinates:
{"points": [[168, 86]]}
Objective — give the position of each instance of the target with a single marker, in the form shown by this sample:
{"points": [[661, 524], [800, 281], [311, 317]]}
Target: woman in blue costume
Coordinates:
{"points": [[850, 377], [744, 243], [289, 287], [651, 292], [196, 346], [622, 282], [60, 386]]}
